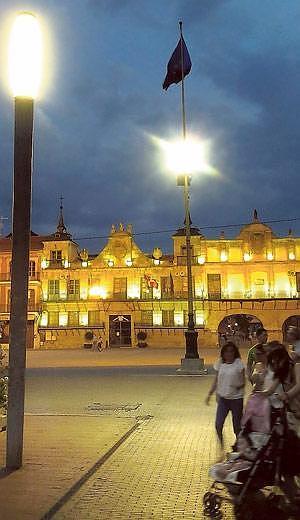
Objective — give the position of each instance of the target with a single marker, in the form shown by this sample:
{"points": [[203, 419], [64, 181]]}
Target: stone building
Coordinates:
{"points": [[239, 284]]}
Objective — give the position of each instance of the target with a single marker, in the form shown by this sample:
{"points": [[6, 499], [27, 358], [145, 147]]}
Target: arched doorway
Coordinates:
{"points": [[239, 328], [290, 321]]}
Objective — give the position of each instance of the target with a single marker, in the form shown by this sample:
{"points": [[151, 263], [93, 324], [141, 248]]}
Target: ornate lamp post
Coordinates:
{"points": [[24, 71], [185, 158]]}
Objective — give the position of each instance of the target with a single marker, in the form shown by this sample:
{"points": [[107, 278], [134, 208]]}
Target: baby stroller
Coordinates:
{"points": [[251, 478]]}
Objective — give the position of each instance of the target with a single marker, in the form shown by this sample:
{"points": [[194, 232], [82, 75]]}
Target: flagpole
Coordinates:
{"points": [[191, 334]]}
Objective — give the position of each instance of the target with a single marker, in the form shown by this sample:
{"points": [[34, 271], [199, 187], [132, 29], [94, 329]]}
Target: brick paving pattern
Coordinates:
{"points": [[161, 471]]}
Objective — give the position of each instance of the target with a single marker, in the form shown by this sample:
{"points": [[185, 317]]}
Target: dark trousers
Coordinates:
{"points": [[235, 406]]}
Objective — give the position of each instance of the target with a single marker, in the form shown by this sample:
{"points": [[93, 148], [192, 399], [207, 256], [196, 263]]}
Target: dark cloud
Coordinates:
{"points": [[92, 129]]}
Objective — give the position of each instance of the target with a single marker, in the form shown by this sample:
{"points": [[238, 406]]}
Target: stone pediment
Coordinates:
{"points": [[121, 250]]}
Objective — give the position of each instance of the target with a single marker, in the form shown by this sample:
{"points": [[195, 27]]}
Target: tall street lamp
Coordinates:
{"points": [[25, 56], [185, 158]]}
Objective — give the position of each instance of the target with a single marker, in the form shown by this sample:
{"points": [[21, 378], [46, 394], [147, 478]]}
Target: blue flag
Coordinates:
{"points": [[174, 69]]}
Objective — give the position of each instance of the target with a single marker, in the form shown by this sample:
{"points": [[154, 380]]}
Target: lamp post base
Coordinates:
{"points": [[191, 363], [192, 366], [191, 347]]}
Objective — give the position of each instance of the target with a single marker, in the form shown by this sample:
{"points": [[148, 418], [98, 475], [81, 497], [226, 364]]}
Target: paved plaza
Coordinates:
{"points": [[137, 443]]}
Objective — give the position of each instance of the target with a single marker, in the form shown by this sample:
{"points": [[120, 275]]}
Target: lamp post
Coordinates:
{"points": [[24, 72], [188, 156]]}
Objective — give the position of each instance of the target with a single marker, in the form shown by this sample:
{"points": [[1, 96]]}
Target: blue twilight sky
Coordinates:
{"points": [[105, 67]]}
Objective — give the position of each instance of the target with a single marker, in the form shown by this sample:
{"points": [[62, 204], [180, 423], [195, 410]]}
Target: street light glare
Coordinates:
{"points": [[25, 56], [186, 156]]}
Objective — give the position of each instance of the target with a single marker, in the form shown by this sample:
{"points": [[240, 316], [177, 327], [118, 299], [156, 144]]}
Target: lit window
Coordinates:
{"points": [[31, 268]]}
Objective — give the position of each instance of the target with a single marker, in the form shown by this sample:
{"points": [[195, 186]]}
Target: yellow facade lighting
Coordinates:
{"points": [[270, 255], [224, 256], [25, 56], [201, 260], [110, 263], [157, 317], [134, 291], [292, 255], [128, 262], [98, 291], [63, 319], [247, 257], [44, 319], [199, 318], [178, 318], [83, 319]]}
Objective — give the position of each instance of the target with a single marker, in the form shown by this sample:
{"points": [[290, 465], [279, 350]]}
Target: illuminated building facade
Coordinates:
{"points": [[238, 284]]}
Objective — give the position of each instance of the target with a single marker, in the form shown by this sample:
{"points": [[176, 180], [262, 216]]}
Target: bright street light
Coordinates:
{"points": [[25, 57], [186, 157]]}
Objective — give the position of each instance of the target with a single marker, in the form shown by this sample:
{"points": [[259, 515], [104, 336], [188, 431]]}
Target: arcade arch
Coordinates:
{"points": [[239, 328], [290, 321]]}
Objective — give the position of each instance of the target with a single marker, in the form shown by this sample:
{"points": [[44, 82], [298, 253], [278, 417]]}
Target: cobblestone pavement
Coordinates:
{"points": [[161, 470]]}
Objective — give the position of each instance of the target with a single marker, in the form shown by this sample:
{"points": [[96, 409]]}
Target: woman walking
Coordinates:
{"points": [[229, 385]]}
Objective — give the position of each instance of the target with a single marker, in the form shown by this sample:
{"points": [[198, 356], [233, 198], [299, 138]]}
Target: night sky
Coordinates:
{"points": [[103, 100]]}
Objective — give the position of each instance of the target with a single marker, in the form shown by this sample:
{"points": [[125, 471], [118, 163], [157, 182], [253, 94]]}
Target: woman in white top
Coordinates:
{"points": [[229, 385]]}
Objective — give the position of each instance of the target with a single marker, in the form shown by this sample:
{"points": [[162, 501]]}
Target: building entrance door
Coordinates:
{"points": [[120, 330]]}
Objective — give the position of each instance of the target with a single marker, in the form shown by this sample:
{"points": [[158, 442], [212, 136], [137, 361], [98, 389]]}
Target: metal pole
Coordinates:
{"points": [[191, 348], [19, 279]]}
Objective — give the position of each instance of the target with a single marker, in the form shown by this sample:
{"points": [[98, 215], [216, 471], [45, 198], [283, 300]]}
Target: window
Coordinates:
{"points": [[120, 288], [183, 287], [168, 318], [146, 291], [214, 286], [31, 268], [94, 318], [74, 289], [147, 317], [56, 255], [53, 319], [53, 289], [167, 286], [298, 282], [73, 318]]}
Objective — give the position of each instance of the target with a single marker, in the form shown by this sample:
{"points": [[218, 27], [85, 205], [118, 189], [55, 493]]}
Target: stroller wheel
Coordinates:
{"points": [[212, 505]]}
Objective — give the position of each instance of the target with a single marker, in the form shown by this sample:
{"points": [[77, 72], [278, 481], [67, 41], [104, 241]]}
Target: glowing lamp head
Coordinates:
{"points": [[186, 157], [25, 56]]}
